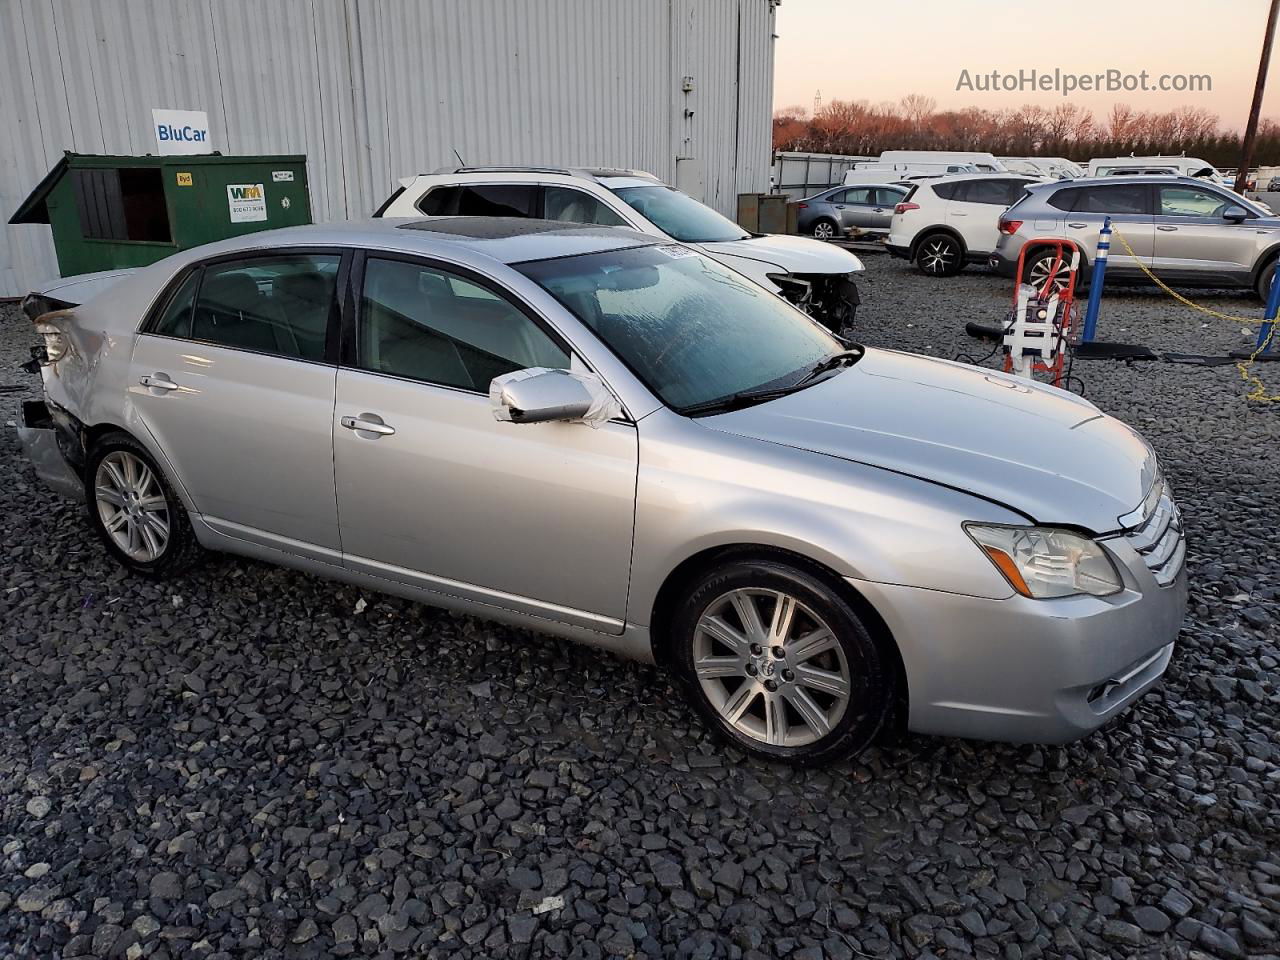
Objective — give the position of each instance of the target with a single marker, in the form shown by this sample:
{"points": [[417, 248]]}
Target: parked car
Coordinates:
{"points": [[1273, 185], [615, 439], [1189, 232], [850, 211], [817, 277], [944, 223]]}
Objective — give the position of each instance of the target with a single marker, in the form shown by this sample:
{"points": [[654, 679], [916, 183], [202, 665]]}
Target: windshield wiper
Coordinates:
{"points": [[746, 398], [830, 363], [736, 401]]}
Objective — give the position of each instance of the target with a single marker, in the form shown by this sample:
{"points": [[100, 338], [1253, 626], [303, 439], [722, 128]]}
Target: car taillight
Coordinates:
{"points": [[904, 207], [802, 206], [1009, 226]]}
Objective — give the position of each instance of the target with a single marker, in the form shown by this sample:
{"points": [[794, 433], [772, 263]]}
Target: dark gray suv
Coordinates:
{"points": [[1187, 231]]}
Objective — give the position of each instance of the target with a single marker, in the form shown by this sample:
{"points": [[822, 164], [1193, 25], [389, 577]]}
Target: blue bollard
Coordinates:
{"points": [[1269, 314], [1096, 276]]}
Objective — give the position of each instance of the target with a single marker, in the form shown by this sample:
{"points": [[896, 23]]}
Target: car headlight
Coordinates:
{"points": [[792, 287], [1045, 562]]}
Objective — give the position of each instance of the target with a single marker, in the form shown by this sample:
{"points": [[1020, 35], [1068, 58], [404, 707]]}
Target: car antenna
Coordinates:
{"points": [[461, 162]]}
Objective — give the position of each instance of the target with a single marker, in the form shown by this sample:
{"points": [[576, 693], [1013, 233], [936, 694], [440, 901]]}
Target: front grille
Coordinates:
{"points": [[1158, 537]]}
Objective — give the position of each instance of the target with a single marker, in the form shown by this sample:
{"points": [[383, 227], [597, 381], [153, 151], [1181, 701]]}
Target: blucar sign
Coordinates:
{"points": [[181, 131]]}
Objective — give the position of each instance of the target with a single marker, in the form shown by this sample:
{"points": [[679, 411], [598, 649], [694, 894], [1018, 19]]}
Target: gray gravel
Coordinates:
{"points": [[240, 765]]}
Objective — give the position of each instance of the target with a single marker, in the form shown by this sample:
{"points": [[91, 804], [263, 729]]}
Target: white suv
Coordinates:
{"points": [[944, 223], [814, 275]]}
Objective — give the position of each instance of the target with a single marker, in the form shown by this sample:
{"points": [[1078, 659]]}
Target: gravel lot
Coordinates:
{"points": [[247, 763]]}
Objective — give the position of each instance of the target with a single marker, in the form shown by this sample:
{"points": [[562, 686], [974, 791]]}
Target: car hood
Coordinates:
{"points": [[1043, 452], [76, 290], [792, 254]]}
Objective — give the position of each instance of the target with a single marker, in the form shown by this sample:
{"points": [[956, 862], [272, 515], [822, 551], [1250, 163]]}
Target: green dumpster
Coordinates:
{"points": [[112, 212]]}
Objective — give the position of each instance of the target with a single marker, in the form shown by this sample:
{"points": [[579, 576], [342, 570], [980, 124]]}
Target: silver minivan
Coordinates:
{"points": [[1188, 232]]}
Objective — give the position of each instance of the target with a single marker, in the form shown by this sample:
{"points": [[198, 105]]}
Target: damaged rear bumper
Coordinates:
{"points": [[42, 441]]}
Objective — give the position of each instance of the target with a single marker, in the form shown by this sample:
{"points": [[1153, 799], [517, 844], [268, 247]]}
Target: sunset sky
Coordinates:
{"points": [[881, 51]]}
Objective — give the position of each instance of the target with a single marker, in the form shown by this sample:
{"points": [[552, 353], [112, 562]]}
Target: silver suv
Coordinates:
{"points": [[1190, 233]]}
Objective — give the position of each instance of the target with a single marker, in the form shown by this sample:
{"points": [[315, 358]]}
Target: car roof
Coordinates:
{"points": [[504, 239], [1139, 178]]}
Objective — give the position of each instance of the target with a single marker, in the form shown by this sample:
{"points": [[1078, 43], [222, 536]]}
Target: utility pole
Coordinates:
{"points": [[1251, 131]]}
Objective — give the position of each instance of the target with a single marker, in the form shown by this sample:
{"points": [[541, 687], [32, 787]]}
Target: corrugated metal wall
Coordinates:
{"points": [[373, 90]]}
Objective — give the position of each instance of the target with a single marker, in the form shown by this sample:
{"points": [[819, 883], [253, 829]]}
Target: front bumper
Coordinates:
{"points": [[42, 442], [1031, 671]]}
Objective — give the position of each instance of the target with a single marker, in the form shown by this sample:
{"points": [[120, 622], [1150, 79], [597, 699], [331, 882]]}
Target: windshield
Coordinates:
{"points": [[679, 215], [694, 331]]}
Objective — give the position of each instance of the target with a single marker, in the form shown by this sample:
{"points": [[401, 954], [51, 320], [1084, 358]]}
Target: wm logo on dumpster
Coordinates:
{"points": [[245, 192]]}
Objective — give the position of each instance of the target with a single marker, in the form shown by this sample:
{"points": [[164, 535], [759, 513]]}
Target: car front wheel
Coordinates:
{"points": [[780, 664], [135, 511]]}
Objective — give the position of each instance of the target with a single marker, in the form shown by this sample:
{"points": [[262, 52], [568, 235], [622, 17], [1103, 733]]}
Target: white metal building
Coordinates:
{"points": [[373, 90]]}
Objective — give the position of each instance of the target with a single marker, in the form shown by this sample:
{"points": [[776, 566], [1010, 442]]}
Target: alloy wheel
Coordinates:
{"points": [[132, 506], [1038, 273], [823, 231], [937, 256], [771, 667]]}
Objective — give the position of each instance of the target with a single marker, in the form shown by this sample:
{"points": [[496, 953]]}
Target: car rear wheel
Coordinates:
{"points": [[939, 255], [780, 664], [135, 511], [1038, 268], [825, 229]]}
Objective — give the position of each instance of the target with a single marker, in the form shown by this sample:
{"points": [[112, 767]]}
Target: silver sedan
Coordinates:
{"points": [[617, 440]]}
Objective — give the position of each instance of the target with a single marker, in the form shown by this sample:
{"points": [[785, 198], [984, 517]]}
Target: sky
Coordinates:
{"points": [[880, 50]]}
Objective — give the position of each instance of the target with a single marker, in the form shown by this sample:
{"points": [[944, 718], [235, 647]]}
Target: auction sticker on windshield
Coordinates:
{"points": [[675, 251]]}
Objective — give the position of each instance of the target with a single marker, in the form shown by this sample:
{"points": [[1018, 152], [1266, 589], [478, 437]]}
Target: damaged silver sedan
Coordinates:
{"points": [[614, 439]]}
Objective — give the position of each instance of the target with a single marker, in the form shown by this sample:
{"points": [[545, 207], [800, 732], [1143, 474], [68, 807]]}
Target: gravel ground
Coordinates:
{"points": [[246, 764]]}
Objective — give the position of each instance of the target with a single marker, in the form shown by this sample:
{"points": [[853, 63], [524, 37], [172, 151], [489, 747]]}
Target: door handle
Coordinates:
{"points": [[959, 214], [364, 425], [158, 381], [1077, 226], [1166, 228]]}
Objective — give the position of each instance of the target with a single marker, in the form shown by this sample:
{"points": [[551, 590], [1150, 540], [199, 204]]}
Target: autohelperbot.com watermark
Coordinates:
{"points": [[1067, 82]]}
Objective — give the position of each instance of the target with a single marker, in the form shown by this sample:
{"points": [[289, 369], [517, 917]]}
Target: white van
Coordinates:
{"points": [[985, 162], [1059, 168], [873, 171], [1182, 166]]}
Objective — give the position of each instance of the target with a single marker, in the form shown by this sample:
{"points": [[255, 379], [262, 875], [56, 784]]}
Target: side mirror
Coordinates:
{"points": [[542, 395], [1235, 213]]}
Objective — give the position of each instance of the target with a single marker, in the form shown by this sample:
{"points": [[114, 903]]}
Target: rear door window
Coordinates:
{"points": [[993, 191], [1113, 198], [279, 305], [482, 200], [861, 195]]}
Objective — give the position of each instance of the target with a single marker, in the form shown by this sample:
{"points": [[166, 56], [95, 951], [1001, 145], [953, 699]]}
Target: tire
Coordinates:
{"points": [[135, 511], [939, 255], [1037, 270], [825, 228], [1263, 287], [829, 696]]}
